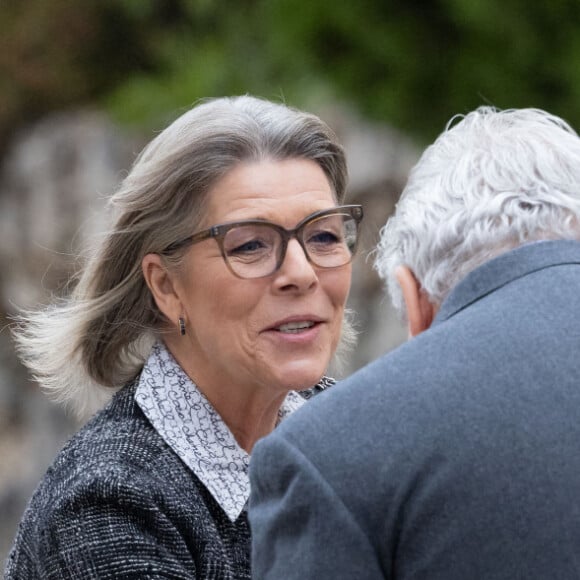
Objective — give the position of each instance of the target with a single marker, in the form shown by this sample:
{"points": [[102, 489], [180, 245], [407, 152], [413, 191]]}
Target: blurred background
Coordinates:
{"points": [[85, 84]]}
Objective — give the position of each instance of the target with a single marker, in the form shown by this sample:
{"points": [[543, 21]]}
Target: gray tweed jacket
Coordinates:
{"points": [[118, 503]]}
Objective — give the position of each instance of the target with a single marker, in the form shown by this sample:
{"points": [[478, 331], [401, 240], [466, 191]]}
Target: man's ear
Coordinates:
{"points": [[420, 312], [161, 283]]}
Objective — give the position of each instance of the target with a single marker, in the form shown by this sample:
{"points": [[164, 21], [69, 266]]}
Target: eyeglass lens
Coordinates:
{"points": [[255, 250]]}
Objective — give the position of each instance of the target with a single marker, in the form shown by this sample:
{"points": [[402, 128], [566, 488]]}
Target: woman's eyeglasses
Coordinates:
{"points": [[257, 248]]}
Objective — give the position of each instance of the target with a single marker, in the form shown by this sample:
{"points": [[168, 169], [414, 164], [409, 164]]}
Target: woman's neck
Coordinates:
{"points": [[249, 411], [249, 419]]}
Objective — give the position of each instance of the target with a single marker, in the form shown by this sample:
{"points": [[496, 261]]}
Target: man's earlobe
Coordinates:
{"points": [[420, 311]]}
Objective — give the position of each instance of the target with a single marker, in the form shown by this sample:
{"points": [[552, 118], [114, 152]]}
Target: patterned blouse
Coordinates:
{"points": [[189, 424]]}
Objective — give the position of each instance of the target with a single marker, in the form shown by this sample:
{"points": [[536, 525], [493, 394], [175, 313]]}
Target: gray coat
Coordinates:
{"points": [[456, 456]]}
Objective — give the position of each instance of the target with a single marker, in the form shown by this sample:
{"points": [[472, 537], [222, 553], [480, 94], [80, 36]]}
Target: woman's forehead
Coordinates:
{"points": [[276, 191]]}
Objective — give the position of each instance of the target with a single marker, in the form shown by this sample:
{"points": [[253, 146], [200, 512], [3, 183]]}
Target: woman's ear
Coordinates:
{"points": [[161, 283], [420, 312]]}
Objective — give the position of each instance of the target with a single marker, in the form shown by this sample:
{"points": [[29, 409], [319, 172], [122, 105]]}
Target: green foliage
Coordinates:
{"points": [[408, 62], [416, 63]]}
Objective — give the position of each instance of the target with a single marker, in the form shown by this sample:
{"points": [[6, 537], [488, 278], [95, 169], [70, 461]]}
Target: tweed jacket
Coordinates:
{"points": [[121, 504], [454, 457]]}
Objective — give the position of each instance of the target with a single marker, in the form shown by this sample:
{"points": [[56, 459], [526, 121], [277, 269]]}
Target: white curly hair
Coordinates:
{"points": [[490, 182]]}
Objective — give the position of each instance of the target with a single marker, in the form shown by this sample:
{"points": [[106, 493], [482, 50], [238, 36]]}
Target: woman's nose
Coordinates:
{"points": [[296, 271]]}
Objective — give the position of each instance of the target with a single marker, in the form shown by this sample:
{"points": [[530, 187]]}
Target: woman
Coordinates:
{"points": [[218, 293]]}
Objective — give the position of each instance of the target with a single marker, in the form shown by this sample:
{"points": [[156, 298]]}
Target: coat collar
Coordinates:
{"points": [[506, 268]]}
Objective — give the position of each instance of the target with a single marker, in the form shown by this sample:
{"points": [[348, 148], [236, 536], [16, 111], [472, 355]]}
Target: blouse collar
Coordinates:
{"points": [[189, 424]]}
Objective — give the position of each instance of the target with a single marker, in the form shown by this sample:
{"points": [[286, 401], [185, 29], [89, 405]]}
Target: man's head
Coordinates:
{"points": [[491, 182]]}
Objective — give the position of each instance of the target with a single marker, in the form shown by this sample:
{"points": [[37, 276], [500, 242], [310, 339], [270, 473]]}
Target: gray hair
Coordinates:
{"points": [[102, 333], [493, 181]]}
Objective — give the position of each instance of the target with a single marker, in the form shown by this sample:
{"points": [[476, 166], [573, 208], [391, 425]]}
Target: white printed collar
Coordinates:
{"points": [[189, 424]]}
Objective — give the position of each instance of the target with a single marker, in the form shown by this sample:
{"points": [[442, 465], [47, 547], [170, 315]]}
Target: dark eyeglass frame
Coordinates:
{"points": [[219, 231]]}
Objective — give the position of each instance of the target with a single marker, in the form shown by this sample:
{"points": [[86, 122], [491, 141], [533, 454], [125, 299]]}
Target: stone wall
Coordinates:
{"points": [[54, 181]]}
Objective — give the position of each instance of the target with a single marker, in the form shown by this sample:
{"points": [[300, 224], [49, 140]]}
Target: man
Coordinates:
{"points": [[456, 456]]}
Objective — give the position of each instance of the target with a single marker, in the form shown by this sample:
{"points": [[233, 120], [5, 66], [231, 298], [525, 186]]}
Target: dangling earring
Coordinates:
{"points": [[181, 326]]}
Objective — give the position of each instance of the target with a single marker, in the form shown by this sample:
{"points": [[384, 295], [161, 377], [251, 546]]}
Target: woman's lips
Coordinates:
{"points": [[296, 323], [295, 327]]}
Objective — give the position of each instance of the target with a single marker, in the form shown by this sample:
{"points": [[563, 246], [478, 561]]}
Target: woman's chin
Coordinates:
{"points": [[300, 376]]}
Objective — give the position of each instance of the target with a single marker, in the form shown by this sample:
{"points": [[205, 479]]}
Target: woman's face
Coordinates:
{"points": [[238, 330]]}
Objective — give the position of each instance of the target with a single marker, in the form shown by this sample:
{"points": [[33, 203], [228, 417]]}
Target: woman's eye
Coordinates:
{"points": [[324, 238], [249, 247]]}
